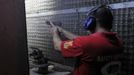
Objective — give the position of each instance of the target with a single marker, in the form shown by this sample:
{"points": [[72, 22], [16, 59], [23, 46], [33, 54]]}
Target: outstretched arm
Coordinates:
{"points": [[56, 37], [67, 34], [57, 41]]}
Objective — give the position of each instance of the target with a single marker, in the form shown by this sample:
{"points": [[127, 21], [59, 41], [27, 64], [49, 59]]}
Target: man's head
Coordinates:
{"points": [[101, 17]]}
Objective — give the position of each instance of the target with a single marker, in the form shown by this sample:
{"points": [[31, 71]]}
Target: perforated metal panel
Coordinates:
{"points": [[71, 13], [124, 25]]}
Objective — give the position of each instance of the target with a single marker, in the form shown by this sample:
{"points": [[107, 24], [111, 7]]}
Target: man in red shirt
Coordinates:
{"points": [[96, 51]]}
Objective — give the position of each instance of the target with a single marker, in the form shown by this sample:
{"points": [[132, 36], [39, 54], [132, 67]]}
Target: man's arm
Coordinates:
{"points": [[67, 34], [56, 37], [57, 41]]}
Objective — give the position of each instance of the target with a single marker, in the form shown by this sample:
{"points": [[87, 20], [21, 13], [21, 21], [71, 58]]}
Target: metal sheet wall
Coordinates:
{"points": [[71, 13]]}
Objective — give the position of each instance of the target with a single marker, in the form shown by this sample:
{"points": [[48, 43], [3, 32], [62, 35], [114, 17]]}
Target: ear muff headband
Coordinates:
{"points": [[96, 8]]}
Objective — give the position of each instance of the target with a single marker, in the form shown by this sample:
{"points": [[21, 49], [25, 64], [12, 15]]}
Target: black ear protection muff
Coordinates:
{"points": [[90, 21]]}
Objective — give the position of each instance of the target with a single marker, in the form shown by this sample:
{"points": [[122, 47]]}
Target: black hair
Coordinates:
{"points": [[104, 16]]}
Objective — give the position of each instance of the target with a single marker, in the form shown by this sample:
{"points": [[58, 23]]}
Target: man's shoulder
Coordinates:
{"points": [[88, 39], [87, 36], [84, 39]]}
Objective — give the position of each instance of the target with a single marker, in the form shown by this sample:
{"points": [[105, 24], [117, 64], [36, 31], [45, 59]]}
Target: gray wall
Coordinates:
{"points": [[13, 45], [71, 13]]}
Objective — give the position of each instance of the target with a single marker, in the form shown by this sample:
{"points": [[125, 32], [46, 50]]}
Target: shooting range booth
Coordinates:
{"points": [[71, 14], [13, 38], [23, 26]]}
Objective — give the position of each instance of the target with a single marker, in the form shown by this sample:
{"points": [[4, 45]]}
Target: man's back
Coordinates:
{"points": [[98, 50]]}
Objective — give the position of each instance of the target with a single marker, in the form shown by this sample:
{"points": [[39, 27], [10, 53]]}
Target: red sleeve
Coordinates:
{"points": [[72, 48]]}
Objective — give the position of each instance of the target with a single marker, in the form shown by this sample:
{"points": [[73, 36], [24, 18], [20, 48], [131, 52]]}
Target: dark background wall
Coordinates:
{"points": [[71, 13], [13, 45]]}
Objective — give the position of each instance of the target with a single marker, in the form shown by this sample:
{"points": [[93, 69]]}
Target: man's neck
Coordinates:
{"points": [[99, 29], [102, 30]]}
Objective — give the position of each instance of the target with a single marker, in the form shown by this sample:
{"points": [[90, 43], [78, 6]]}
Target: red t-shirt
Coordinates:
{"points": [[89, 48]]}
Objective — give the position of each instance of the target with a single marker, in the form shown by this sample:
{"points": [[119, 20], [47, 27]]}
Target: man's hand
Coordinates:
{"points": [[54, 28], [66, 33], [59, 29]]}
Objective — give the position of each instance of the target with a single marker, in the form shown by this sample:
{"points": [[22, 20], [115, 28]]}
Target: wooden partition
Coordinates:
{"points": [[13, 44]]}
